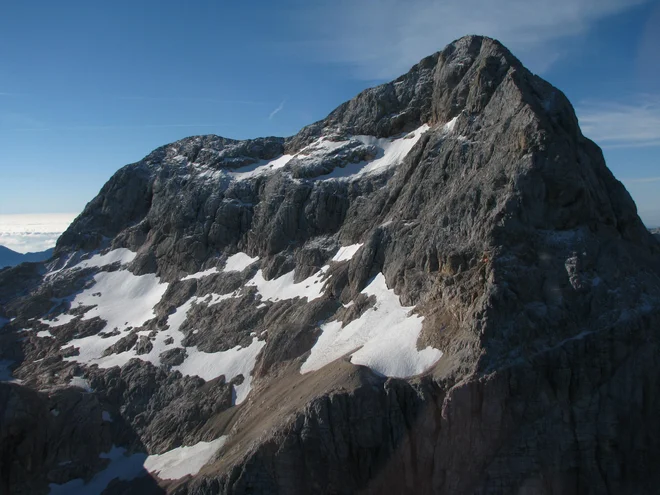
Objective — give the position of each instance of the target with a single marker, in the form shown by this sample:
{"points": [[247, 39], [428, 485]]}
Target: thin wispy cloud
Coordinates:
{"points": [[651, 218], [279, 108], [107, 127], [622, 125], [17, 120], [192, 100], [641, 180], [384, 38]]}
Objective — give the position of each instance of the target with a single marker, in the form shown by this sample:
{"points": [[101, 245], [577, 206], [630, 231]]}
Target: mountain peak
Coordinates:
{"points": [[419, 283]]}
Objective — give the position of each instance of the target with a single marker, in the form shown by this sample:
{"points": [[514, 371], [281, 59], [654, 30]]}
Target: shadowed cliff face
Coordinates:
{"points": [[439, 288]]}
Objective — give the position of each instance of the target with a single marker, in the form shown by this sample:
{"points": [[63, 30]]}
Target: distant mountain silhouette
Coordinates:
{"points": [[12, 258]]}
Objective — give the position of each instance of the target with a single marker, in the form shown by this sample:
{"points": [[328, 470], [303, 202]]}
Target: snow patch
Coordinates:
{"points": [[384, 338], [347, 252], [105, 416], [231, 363], [123, 300], [451, 125], [121, 255], [260, 168], [238, 262], [198, 275], [392, 152], [213, 299], [79, 382], [183, 461], [284, 287], [58, 320]]}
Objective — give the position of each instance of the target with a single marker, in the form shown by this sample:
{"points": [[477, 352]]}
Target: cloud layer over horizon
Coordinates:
{"points": [[33, 232]]}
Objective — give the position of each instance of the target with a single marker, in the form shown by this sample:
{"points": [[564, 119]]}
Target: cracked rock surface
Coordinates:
{"points": [[457, 212]]}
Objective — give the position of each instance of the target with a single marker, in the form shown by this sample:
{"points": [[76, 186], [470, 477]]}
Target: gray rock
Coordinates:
{"points": [[173, 357], [502, 226], [143, 346]]}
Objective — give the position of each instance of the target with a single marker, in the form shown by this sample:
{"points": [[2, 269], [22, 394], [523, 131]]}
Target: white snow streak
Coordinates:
{"points": [[384, 338], [284, 287], [183, 461], [347, 252], [449, 126], [198, 275], [238, 262], [393, 151], [260, 168], [235, 263], [121, 255], [230, 363]]}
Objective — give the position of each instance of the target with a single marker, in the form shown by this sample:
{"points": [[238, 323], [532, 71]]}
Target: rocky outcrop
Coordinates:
{"points": [[502, 244]]}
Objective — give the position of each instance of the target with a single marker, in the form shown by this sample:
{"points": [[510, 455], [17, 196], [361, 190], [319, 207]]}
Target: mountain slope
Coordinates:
{"points": [[12, 258], [439, 288]]}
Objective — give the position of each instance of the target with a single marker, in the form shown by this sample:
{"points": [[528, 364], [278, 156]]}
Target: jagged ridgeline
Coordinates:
{"points": [[438, 289]]}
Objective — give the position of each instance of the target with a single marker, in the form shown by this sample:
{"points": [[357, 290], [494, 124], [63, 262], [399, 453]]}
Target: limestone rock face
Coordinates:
{"points": [[439, 288]]}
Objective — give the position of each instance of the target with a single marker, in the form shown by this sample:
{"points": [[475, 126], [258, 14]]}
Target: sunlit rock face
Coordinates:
{"points": [[439, 288]]}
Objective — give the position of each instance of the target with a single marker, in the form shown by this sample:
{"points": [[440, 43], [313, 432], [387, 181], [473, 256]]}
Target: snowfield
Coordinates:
{"points": [[391, 152], [384, 338], [284, 287]]}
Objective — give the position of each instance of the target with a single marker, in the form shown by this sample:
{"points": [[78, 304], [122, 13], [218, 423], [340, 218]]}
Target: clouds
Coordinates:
{"points": [[382, 39], [31, 233], [651, 218], [643, 180], [279, 108], [88, 127], [622, 125], [33, 242]]}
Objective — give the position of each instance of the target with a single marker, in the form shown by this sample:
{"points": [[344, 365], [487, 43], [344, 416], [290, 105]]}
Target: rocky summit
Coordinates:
{"points": [[438, 289]]}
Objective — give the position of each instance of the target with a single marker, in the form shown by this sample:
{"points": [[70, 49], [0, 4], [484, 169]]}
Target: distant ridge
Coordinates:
{"points": [[9, 257]]}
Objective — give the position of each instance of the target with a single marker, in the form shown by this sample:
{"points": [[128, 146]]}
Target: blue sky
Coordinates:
{"points": [[86, 87]]}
